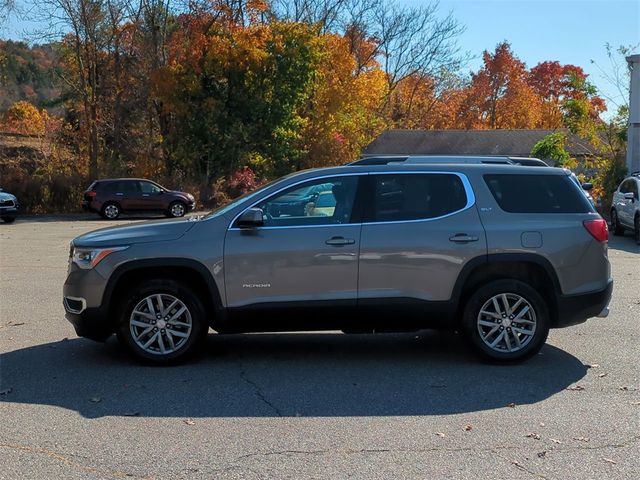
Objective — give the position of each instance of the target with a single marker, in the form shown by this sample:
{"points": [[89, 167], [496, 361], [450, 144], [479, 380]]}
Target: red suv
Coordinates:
{"points": [[111, 197]]}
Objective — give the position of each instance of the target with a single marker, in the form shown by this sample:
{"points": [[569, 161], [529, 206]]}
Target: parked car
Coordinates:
{"points": [[294, 203], [501, 254], [113, 196], [625, 207], [8, 207]]}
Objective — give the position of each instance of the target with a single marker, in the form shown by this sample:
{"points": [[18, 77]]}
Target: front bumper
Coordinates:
{"points": [[92, 323], [575, 309], [82, 300], [8, 211]]}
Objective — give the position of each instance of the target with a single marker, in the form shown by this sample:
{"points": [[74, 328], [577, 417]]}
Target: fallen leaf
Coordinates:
{"points": [[635, 403], [609, 460], [542, 424], [581, 439], [467, 428], [440, 434], [575, 388], [6, 391], [602, 375], [556, 441], [542, 454], [533, 435], [511, 405], [189, 422], [593, 365], [95, 399]]}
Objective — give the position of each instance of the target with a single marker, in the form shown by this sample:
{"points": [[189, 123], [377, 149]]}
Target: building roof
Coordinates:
{"points": [[515, 143]]}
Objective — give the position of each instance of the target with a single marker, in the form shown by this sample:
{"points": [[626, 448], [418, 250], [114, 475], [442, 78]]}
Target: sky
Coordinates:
{"points": [[569, 31]]}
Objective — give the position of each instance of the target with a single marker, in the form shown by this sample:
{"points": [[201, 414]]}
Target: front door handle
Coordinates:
{"points": [[463, 238], [340, 241]]}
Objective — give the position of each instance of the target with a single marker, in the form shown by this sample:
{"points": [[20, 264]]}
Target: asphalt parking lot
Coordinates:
{"points": [[316, 405]]}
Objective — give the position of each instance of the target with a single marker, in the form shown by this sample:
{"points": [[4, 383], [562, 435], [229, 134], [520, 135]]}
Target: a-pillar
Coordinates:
{"points": [[633, 141]]}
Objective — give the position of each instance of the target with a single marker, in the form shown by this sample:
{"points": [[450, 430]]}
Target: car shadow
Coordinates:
{"points": [[267, 375], [624, 243]]}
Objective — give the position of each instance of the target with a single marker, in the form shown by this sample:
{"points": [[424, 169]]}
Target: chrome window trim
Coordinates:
{"points": [[471, 200], [333, 175]]}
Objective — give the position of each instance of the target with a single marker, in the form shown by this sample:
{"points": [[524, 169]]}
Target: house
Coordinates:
{"points": [[512, 143]]}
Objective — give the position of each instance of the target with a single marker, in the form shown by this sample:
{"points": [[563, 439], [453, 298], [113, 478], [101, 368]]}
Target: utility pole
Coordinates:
{"points": [[633, 134]]}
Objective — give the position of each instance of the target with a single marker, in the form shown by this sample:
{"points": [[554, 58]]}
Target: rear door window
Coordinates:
{"points": [[402, 197], [537, 194]]}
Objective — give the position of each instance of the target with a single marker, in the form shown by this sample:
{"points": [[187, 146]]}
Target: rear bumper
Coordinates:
{"points": [[575, 309]]}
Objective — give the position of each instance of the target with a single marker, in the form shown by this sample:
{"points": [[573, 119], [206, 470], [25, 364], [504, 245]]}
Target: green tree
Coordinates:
{"points": [[552, 147], [236, 93]]}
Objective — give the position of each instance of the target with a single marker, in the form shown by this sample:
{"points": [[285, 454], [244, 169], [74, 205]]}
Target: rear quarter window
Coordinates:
{"points": [[537, 194]]}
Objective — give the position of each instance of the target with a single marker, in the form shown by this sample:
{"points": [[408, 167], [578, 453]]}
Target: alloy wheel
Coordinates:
{"points": [[177, 210], [160, 324], [506, 322], [111, 211]]}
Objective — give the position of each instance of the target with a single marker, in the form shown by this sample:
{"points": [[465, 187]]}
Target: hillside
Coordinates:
{"points": [[29, 73]]}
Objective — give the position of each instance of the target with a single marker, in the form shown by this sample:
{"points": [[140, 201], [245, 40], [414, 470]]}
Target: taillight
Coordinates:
{"points": [[597, 228], [91, 194]]}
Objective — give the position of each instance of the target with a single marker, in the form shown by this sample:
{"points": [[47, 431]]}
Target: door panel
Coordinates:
{"points": [[404, 256], [418, 260], [148, 197], [291, 265], [303, 253]]}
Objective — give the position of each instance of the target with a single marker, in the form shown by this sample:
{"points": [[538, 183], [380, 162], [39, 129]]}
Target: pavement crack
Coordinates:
{"points": [[258, 391], [65, 460]]}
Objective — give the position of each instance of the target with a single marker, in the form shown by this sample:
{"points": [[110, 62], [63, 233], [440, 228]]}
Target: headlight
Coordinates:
{"points": [[87, 258]]}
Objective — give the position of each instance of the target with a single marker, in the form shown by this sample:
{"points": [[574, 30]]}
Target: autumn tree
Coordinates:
{"points": [[341, 114], [22, 117], [235, 93], [499, 95]]}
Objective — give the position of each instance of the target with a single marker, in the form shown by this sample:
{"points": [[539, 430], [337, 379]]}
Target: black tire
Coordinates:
{"points": [[514, 288], [8, 219], [636, 229], [177, 209], [195, 310], [110, 211], [616, 228]]}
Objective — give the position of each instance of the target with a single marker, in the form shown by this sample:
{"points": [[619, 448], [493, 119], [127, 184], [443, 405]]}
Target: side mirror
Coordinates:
{"points": [[587, 186], [629, 196], [251, 218]]}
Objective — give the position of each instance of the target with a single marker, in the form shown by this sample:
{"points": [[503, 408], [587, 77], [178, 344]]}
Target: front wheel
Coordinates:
{"points": [[162, 322], [8, 219], [177, 209], [506, 321]]}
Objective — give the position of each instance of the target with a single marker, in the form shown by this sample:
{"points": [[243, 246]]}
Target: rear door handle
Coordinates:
{"points": [[463, 238], [340, 241]]}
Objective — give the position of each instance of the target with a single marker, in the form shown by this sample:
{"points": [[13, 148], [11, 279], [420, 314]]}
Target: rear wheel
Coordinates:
{"points": [[110, 211], [8, 219], [162, 322], [506, 321], [616, 228]]}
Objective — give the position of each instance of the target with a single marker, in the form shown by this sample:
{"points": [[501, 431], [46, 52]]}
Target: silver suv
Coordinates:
{"points": [[499, 253], [625, 207]]}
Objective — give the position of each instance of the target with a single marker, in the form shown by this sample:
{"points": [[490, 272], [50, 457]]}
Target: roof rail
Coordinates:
{"points": [[378, 160]]}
